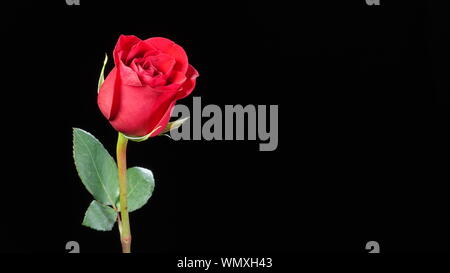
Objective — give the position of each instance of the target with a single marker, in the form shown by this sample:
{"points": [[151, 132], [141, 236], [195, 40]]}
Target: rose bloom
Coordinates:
{"points": [[140, 92]]}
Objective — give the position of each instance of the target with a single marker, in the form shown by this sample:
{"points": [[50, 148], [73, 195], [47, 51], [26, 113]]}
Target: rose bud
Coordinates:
{"points": [[140, 92]]}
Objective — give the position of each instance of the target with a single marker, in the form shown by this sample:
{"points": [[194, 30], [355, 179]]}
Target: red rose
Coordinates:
{"points": [[139, 94]]}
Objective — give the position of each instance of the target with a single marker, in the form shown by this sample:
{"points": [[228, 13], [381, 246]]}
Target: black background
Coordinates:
{"points": [[363, 137]]}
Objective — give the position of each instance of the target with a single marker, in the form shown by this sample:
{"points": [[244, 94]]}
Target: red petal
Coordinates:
{"points": [[123, 46], [189, 84], [140, 50], [172, 49], [187, 88], [161, 125], [128, 76], [163, 62], [108, 95], [177, 77], [141, 109]]}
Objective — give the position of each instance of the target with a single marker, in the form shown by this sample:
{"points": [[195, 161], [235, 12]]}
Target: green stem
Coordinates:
{"points": [[121, 153]]}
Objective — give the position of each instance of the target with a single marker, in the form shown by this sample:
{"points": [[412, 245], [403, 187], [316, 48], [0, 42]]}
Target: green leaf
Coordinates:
{"points": [[101, 79], [140, 187], [173, 125], [96, 168], [99, 217], [169, 127], [142, 138]]}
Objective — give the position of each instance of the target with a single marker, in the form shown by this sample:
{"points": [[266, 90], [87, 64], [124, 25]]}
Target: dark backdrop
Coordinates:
{"points": [[363, 137]]}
